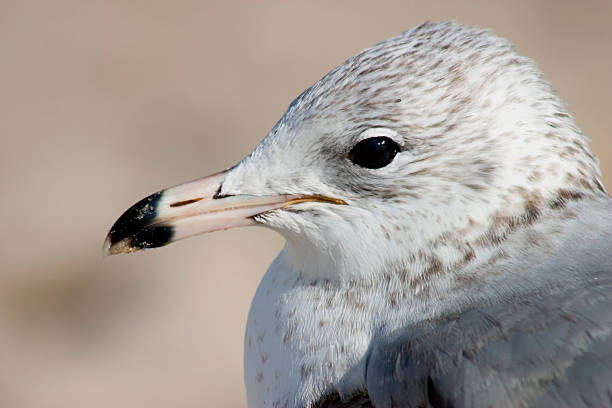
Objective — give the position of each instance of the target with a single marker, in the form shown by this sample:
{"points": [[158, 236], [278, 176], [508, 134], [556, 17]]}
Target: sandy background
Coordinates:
{"points": [[102, 103]]}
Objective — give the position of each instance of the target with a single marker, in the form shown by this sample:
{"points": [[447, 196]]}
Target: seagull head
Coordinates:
{"points": [[408, 155]]}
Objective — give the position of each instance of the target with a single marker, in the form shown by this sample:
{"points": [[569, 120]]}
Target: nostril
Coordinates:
{"points": [[186, 202], [218, 194]]}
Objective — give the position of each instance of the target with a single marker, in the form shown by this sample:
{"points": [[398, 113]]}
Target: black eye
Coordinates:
{"points": [[374, 153]]}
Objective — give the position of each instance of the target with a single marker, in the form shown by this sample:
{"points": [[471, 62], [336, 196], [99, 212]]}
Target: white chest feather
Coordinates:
{"points": [[301, 338]]}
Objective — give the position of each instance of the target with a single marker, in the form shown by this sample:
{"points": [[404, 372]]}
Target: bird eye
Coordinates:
{"points": [[374, 152]]}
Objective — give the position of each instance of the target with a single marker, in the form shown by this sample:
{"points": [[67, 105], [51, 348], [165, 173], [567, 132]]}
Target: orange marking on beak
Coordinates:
{"points": [[315, 198]]}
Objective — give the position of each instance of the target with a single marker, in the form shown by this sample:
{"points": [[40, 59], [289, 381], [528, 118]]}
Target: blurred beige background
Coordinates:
{"points": [[103, 103]]}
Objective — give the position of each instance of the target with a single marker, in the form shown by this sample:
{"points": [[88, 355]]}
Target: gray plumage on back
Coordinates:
{"points": [[549, 346], [447, 235]]}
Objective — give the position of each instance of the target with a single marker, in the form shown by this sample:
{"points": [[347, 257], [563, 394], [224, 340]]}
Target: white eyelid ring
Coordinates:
{"points": [[382, 132]]}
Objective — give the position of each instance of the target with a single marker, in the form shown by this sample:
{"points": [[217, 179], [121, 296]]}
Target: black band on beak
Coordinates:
{"points": [[135, 225]]}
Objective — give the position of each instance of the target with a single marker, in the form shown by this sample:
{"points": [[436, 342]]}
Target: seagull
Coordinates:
{"points": [[448, 238]]}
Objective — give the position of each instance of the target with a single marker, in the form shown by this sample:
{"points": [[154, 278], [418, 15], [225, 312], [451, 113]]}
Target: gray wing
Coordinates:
{"points": [[552, 348]]}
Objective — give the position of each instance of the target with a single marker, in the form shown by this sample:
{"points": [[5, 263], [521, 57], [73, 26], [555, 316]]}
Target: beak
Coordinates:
{"points": [[190, 209]]}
